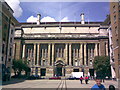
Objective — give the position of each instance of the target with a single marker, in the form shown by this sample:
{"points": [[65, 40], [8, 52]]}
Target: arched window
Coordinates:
{"points": [[76, 63], [43, 62]]}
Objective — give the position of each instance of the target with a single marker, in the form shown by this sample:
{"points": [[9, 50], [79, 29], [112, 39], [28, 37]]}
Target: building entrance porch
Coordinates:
{"points": [[59, 69]]}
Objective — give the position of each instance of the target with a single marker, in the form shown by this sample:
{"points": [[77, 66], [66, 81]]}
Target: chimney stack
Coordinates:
{"points": [[82, 18], [38, 19]]}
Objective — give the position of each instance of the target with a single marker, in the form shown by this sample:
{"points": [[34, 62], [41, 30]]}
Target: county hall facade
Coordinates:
{"points": [[59, 48]]}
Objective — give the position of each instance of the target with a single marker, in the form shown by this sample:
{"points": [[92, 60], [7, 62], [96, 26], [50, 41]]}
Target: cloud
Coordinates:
{"points": [[48, 19], [15, 5], [32, 19], [65, 19], [45, 19]]}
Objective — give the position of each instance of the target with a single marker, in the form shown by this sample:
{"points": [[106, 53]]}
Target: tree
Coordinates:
{"points": [[26, 68], [101, 65], [19, 66]]}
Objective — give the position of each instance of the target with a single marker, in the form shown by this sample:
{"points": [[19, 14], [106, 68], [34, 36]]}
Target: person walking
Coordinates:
{"points": [[81, 78], [86, 79], [98, 85]]}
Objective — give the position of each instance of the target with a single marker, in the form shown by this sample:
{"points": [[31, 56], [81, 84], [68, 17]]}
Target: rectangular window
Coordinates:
{"points": [[6, 18], [10, 40], [10, 53], [43, 72], [9, 60], [5, 27], [2, 58], [116, 31], [3, 46], [115, 18], [117, 42], [75, 70], [118, 56], [11, 31], [114, 9], [12, 23]]}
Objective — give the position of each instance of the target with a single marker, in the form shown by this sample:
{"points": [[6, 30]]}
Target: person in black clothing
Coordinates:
{"points": [[86, 79], [81, 78]]}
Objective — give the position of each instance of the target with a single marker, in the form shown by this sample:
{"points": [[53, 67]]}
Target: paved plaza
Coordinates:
{"points": [[55, 84]]}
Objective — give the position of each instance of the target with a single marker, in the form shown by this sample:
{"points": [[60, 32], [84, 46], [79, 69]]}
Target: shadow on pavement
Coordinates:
{"points": [[13, 81]]}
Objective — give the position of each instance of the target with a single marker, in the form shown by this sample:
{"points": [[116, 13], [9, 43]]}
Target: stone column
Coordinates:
{"points": [[92, 52], [74, 53], [96, 50], [70, 53], [61, 52], [28, 53], [23, 54], [34, 53], [53, 50], [49, 48], [45, 53], [88, 56], [85, 54], [81, 53], [77, 53], [58, 52], [42, 53], [106, 49], [38, 54], [63, 71], [99, 50], [66, 53]]}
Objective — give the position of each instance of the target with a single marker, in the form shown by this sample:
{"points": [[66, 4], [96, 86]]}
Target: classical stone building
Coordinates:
{"points": [[8, 23], [59, 48]]}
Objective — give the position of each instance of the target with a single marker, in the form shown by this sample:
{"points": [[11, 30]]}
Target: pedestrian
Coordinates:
{"points": [[111, 87], [81, 78], [86, 79], [98, 85]]}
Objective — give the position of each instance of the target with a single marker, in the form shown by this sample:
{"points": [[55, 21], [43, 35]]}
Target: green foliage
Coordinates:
{"points": [[20, 65], [102, 66]]}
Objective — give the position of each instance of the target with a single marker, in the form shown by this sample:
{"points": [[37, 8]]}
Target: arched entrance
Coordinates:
{"points": [[59, 68]]}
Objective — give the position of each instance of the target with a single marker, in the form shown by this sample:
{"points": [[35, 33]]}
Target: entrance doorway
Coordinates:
{"points": [[91, 71], [43, 72], [75, 70], [59, 68]]}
